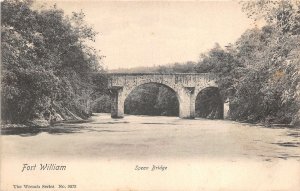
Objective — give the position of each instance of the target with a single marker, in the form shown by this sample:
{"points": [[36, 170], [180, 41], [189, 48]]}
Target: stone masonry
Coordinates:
{"points": [[186, 86]]}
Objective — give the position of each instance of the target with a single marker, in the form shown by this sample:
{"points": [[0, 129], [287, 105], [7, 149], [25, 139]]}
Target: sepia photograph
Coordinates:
{"points": [[150, 95]]}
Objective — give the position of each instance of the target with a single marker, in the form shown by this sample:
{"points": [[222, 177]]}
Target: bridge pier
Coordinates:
{"points": [[226, 110], [187, 103], [117, 103]]}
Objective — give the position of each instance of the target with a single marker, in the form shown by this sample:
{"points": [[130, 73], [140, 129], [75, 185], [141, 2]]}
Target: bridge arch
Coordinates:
{"points": [[209, 103], [158, 85], [187, 86], [132, 88]]}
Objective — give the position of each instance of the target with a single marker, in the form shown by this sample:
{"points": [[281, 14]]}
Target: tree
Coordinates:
{"points": [[223, 65], [274, 58], [46, 62], [260, 72]]}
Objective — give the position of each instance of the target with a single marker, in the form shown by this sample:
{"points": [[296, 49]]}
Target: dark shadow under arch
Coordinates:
{"points": [[102, 104], [153, 99], [209, 104]]}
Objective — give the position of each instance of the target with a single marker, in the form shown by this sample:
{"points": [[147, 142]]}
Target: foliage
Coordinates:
{"points": [[152, 99], [166, 102], [223, 64], [187, 67], [260, 72], [45, 62], [209, 104], [102, 104]]}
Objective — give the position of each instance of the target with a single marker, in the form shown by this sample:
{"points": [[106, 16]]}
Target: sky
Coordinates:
{"points": [[133, 34]]}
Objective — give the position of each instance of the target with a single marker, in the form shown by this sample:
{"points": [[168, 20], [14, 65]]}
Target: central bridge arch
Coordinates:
{"points": [[152, 99], [185, 85]]}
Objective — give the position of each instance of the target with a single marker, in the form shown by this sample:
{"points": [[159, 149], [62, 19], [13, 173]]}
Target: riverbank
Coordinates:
{"points": [[45, 123]]}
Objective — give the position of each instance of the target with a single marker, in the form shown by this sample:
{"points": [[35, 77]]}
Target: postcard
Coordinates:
{"points": [[150, 95]]}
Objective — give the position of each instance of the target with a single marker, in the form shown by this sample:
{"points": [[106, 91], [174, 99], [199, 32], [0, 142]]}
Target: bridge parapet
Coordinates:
{"points": [[172, 80]]}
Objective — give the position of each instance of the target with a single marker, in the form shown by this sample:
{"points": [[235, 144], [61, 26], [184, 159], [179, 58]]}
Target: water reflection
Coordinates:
{"points": [[32, 131]]}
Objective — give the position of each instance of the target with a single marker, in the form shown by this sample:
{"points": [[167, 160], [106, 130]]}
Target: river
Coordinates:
{"points": [[118, 154], [138, 137]]}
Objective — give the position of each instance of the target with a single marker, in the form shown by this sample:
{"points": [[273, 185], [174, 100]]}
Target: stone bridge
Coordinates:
{"points": [[185, 85]]}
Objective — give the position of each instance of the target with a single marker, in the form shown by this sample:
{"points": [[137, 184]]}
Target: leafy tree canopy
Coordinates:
{"points": [[46, 62]]}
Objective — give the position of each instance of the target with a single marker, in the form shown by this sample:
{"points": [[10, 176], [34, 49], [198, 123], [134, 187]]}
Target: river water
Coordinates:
{"points": [[138, 137], [200, 154]]}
